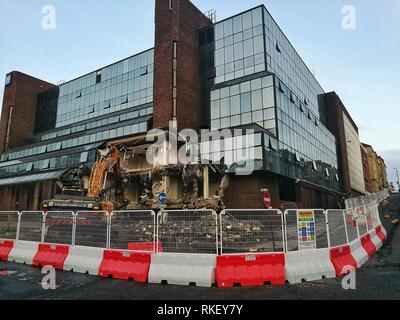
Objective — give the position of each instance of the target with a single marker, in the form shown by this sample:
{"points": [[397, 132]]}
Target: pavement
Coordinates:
{"points": [[378, 279]]}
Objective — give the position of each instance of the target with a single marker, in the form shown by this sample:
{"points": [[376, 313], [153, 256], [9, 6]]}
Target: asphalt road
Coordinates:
{"points": [[379, 279]]}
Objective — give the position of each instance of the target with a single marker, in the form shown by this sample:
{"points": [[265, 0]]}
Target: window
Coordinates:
{"points": [[245, 102], [327, 172], [256, 100], [84, 157], [314, 166], [45, 164], [98, 76], [281, 87], [277, 47], [225, 112], [29, 167]]}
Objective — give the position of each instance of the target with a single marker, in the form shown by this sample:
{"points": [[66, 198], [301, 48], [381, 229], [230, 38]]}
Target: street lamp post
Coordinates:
{"points": [[398, 179]]}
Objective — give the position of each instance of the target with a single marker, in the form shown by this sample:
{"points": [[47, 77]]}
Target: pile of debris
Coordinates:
{"points": [[250, 236]]}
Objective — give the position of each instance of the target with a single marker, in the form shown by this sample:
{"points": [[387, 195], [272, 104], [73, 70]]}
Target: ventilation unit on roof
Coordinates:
{"points": [[59, 83], [212, 15]]}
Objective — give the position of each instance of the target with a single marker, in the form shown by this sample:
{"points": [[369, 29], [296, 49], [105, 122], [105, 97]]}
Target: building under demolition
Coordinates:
{"points": [[239, 73]]}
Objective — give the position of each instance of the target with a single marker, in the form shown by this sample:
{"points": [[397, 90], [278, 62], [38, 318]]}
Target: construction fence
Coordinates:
{"points": [[195, 231], [367, 199]]}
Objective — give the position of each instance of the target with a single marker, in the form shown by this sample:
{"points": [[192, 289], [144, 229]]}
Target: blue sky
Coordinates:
{"points": [[361, 65]]}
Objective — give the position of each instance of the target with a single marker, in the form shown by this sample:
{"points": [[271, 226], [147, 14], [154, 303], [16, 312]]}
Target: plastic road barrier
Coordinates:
{"points": [[5, 249], [341, 259], [308, 265], [84, 260], [368, 245], [250, 270], [183, 269], [358, 252], [375, 239], [381, 233], [51, 255], [125, 265], [23, 252]]}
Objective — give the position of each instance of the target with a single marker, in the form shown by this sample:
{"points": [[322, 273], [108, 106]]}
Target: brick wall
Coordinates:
{"points": [[244, 191], [22, 95], [179, 24]]}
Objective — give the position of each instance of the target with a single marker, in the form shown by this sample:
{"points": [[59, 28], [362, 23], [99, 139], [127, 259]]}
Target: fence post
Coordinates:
{"points": [[43, 226], [345, 227], [18, 226], [220, 231], [159, 216], [73, 228], [285, 231], [327, 228]]}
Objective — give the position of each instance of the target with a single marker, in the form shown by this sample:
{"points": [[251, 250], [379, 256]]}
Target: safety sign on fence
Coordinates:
{"points": [[306, 230]]}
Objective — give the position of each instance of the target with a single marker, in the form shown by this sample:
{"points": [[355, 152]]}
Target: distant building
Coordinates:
{"points": [[339, 121], [378, 179], [364, 158]]}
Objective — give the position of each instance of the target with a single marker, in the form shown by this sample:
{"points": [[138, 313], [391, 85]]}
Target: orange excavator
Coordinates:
{"points": [[95, 194]]}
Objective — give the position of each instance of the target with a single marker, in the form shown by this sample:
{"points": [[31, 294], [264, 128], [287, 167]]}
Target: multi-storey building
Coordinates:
{"points": [[378, 179], [241, 72]]}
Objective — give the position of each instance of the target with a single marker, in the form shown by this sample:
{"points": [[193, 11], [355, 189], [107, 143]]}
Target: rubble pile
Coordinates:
{"points": [[250, 236], [193, 234]]}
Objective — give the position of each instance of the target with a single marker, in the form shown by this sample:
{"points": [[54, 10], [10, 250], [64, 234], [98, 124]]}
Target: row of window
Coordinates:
{"points": [[48, 164], [287, 64], [306, 137], [239, 46], [84, 139], [109, 107], [131, 64], [238, 23], [248, 102], [100, 123]]}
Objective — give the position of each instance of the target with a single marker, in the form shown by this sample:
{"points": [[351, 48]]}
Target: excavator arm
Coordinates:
{"points": [[98, 177]]}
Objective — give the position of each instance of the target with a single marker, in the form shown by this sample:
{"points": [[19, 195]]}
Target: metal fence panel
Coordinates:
{"points": [[351, 225], [31, 226], [251, 231], [8, 225], [92, 229], [337, 227], [294, 230], [58, 227], [361, 220], [133, 227], [188, 231], [372, 213]]}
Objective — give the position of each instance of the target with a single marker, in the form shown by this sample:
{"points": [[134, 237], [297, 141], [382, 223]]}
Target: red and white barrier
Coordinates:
{"points": [[358, 252], [375, 239], [125, 265], [84, 260], [308, 265], [23, 252], [5, 249], [250, 270], [342, 259], [183, 269]]}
